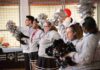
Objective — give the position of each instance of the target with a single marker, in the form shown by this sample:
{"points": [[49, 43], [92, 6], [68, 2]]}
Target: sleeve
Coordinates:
{"points": [[37, 39], [55, 36], [61, 30], [25, 32], [87, 52]]}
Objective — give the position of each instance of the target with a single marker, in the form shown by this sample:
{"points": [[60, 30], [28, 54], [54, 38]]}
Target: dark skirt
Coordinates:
{"points": [[33, 56], [46, 64]]}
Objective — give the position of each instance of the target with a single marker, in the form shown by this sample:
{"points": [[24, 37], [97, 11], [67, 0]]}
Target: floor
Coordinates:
{"points": [[14, 69]]}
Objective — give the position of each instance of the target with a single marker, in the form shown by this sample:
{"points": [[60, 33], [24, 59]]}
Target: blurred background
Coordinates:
{"points": [[16, 10]]}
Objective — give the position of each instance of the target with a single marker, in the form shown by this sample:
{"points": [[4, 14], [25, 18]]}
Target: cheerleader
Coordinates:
{"points": [[34, 43], [27, 31], [46, 62], [72, 34], [86, 48]]}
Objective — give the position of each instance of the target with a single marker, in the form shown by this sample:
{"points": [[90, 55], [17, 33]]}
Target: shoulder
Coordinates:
{"points": [[53, 32], [40, 31], [91, 38], [75, 41], [22, 29]]}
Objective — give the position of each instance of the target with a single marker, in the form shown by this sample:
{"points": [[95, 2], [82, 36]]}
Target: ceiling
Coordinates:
{"points": [[52, 1], [40, 2], [9, 2]]}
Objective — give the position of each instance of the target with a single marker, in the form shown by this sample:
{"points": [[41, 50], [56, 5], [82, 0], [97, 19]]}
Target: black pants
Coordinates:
{"points": [[27, 61]]}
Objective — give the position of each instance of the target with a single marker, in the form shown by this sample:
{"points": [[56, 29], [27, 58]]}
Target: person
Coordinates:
{"points": [[86, 48], [63, 24], [72, 34], [27, 31], [34, 43], [46, 62]]}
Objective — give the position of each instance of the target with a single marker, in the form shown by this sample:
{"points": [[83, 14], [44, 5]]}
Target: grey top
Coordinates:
{"points": [[46, 41], [87, 55], [27, 31]]}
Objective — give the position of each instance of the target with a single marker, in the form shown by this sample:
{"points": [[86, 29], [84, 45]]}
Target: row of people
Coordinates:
{"points": [[41, 39]]}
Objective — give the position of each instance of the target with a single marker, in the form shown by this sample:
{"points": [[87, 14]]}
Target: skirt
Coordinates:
{"points": [[46, 64], [33, 56]]}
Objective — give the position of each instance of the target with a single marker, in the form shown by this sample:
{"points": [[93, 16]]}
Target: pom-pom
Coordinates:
{"points": [[42, 18], [11, 26], [68, 12], [86, 8]]}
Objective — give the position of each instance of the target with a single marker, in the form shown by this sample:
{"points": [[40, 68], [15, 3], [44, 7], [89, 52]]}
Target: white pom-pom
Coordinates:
{"points": [[60, 14], [42, 18], [86, 8], [11, 26]]}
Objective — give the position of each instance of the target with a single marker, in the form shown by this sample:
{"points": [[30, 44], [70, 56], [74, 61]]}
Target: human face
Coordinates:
{"points": [[28, 22], [70, 34], [46, 27], [34, 25]]}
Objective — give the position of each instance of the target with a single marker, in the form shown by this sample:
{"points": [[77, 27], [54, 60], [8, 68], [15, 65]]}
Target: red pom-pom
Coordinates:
{"points": [[68, 12]]}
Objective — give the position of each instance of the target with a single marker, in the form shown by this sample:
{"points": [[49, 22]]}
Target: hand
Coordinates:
{"points": [[62, 58], [71, 54]]}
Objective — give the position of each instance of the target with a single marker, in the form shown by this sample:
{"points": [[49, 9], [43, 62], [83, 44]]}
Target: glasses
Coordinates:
{"points": [[46, 26]]}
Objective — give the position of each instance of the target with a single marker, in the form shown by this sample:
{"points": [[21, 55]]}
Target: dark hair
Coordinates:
{"points": [[90, 25], [36, 20], [78, 29], [38, 24], [30, 18]]}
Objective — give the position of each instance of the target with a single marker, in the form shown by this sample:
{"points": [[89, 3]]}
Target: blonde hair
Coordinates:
{"points": [[52, 26]]}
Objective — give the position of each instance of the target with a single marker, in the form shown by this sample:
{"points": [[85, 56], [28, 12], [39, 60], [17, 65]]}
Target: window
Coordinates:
{"points": [[44, 6], [9, 10], [75, 15], [50, 6]]}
